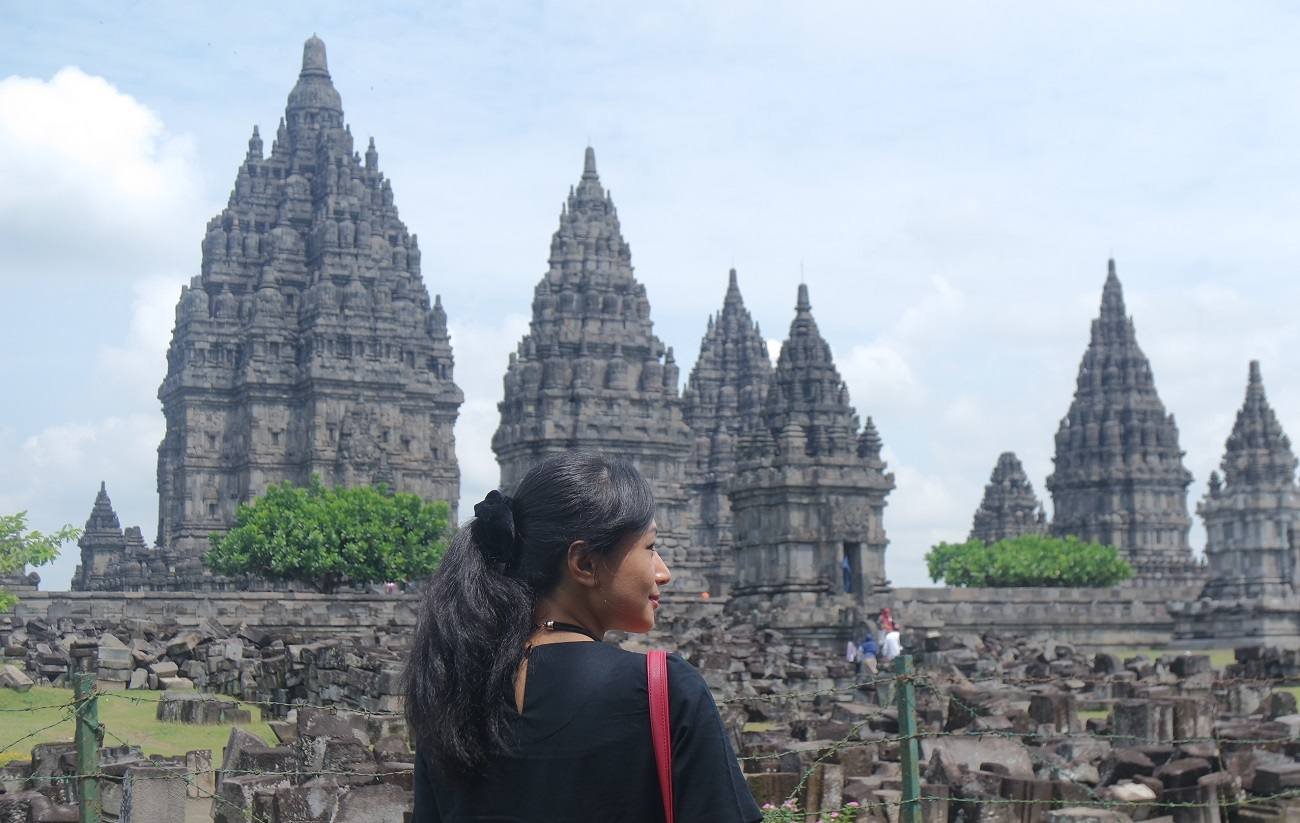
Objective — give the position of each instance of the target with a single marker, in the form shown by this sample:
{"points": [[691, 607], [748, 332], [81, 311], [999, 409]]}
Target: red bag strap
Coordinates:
{"points": [[661, 735]]}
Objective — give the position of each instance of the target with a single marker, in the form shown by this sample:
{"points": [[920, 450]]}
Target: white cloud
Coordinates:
{"points": [[880, 379], [924, 509], [92, 179], [100, 217], [53, 474]]}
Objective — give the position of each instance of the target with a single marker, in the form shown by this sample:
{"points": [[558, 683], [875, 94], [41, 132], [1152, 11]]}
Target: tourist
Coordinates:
{"points": [[867, 653], [518, 711], [885, 621], [893, 645], [852, 653]]}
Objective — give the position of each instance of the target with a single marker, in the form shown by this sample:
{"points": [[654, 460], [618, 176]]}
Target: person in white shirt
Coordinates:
{"points": [[892, 647]]}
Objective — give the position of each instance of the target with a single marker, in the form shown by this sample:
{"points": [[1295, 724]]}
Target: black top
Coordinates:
{"points": [[582, 750]]}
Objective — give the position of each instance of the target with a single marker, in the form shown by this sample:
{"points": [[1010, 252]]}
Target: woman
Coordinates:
{"points": [[518, 711]]}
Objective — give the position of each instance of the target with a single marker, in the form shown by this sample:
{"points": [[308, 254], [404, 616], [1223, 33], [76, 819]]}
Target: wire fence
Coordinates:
{"points": [[912, 716]]}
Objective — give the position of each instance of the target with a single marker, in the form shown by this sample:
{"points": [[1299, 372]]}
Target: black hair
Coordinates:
{"points": [[477, 613]]}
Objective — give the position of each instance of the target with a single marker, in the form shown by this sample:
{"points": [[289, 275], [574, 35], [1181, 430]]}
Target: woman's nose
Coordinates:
{"points": [[662, 575]]}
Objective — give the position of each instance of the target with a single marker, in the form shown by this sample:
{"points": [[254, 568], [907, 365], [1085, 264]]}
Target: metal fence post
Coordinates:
{"points": [[909, 745], [88, 741]]}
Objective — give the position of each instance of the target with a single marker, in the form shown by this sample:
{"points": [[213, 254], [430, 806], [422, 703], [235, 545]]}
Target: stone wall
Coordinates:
{"points": [[308, 614], [1120, 617]]}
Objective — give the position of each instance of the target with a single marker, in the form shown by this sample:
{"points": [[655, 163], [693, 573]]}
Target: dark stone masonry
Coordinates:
{"points": [[727, 387], [306, 346], [1119, 477], [1009, 508], [808, 498], [1252, 548], [591, 374]]}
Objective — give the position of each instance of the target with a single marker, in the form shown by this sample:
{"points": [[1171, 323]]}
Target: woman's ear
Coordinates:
{"points": [[581, 564]]}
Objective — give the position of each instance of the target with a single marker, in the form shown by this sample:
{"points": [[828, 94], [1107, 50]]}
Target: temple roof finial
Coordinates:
{"points": [[1255, 378], [589, 163], [803, 305], [1112, 295], [313, 58]]}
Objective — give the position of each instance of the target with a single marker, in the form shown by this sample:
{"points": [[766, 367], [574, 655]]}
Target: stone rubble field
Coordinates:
{"points": [[1009, 728]]}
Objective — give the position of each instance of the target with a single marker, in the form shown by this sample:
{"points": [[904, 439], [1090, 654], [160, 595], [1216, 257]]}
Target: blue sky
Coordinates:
{"points": [[950, 179]]}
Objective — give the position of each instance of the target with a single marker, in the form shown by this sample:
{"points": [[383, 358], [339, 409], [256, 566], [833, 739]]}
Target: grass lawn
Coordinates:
{"points": [[132, 720]]}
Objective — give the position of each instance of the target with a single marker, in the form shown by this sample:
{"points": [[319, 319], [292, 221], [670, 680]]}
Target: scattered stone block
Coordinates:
{"points": [[151, 794], [1279, 704], [1272, 778], [11, 677]]}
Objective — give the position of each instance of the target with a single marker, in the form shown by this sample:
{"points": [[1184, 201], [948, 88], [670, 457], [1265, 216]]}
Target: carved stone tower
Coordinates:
{"points": [[102, 543], [1251, 513], [1252, 528], [1119, 477], [808, 498], [591, 374], [308, 344], [1009, 508], [727, 386]]}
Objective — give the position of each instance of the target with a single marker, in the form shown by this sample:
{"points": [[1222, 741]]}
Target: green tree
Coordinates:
{"points": [[1028, 560], [20, 548], [328, 537]]}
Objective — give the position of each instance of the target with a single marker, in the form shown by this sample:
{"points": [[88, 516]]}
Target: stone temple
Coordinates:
{"points": [[727, 388], [1252, 514], [808, 498], [591, 374], [1009, 508], [1119, 477], [307, 344]]}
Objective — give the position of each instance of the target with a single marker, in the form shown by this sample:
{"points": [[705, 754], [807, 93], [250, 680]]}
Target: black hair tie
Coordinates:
{"points": [[494, 528]]}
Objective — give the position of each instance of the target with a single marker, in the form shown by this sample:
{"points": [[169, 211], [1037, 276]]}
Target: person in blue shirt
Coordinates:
{"points": [[867, 653]]}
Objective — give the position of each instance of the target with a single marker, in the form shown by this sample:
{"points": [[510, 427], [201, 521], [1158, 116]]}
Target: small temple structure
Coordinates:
{"points": [[1252, 515], [1009, 508], [808, 498]]}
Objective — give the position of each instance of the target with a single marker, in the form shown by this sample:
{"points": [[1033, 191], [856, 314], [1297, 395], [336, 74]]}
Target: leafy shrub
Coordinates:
{"points": [[1029, 560], [327, 537]]}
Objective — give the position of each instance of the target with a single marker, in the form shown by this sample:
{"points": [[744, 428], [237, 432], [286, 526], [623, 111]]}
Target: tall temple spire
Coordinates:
{"points": [[1252, 520], [808, 495], [308, 337], [1258, 452], [1009, 508], [806, 389], [725, 389], [591, 374], [1119, 477]]}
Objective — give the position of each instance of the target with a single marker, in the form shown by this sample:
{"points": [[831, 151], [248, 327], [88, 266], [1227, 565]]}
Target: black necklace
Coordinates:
{"points": [[558, 626]]}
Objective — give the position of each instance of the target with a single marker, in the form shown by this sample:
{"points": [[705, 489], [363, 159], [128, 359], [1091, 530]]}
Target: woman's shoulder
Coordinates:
{"points": [[684, 679]]}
